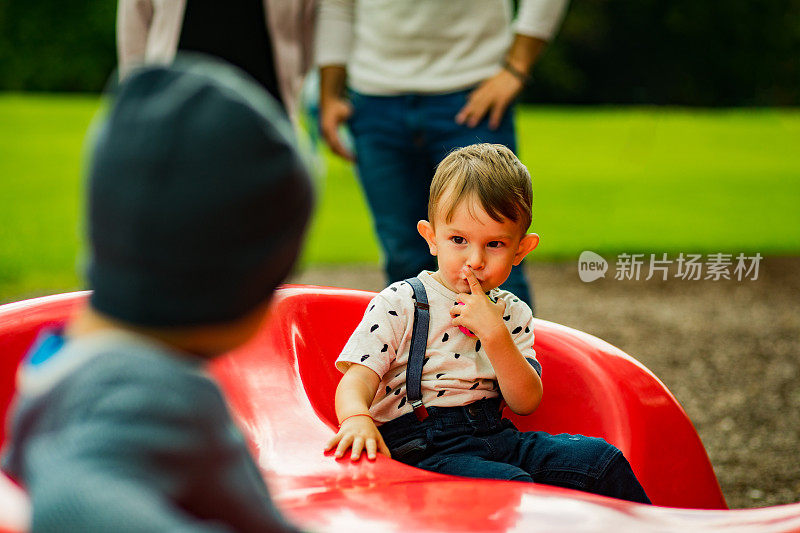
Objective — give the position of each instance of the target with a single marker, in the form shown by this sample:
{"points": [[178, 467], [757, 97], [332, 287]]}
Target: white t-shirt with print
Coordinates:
{"points": [[456, 371]]}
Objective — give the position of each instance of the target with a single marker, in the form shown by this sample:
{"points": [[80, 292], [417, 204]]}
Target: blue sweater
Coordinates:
{"points": [[113, 432]]}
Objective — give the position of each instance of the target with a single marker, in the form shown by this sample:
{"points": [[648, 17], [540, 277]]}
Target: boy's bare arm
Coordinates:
{"points": [[354, 395], [518, 381]]}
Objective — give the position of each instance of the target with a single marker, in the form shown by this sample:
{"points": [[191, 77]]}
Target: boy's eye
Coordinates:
{"points": [[495, 244], [458, 240]]}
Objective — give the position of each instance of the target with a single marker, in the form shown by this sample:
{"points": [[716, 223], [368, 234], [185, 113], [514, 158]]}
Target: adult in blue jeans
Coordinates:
{"points": [[415, 80]]}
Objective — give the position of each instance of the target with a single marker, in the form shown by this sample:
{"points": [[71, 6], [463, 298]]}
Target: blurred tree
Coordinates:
{"points": [[682, 52], [737, 52], [46, 45]]}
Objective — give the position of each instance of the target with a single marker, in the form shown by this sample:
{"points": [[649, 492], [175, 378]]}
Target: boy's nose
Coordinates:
{"points": [[475, 260]]}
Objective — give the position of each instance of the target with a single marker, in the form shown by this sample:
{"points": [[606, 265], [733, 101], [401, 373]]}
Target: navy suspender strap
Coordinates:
{"points": [[419, 342]]}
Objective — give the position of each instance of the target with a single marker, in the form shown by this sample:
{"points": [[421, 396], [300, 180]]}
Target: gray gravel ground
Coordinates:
{"points": [[728, 350]]}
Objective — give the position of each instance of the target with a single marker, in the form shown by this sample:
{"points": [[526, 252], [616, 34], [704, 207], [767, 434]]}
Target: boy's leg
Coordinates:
{"points": [[574, 461], [446, 444], [444, 136], [620, 482], [396, 176], [473, 466]]}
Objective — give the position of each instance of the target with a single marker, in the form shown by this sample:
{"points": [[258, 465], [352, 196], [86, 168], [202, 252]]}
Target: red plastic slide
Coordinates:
{"points": [[281, 384]]}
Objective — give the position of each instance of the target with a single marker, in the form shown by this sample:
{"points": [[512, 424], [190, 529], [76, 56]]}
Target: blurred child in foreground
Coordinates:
{"points": [[197, 207]]}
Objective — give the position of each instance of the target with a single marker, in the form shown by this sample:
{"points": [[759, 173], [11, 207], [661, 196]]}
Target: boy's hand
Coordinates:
{"points": [[479, 314], [359, 433]]}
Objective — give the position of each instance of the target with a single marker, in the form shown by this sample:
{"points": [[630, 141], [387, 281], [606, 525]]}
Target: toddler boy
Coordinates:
{"points": [[478, 350], [197, 206]]}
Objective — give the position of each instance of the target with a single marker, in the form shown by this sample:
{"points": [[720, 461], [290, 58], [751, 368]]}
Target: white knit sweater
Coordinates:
{"points": [[425, 46]]}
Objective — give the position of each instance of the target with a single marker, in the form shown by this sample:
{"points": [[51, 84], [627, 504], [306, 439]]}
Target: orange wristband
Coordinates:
{"points": [[357, 414]]}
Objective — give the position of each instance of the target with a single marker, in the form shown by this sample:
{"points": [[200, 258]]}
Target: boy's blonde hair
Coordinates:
{"points": [[493, 174]]}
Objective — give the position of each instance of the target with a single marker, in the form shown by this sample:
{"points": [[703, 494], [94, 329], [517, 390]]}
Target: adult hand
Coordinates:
{"points": [[334, 111], [493, 96], [479, 314], [358, 433]]}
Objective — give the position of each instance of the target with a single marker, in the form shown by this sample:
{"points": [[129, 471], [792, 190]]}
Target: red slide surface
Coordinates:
{"points": [[280, 386]]}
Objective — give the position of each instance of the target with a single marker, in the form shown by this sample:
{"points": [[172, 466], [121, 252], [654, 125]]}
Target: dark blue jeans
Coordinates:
{"points": [[399, 140], [475, 441]]}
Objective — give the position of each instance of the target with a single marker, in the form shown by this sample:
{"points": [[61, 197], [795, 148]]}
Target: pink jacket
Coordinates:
{"points": [[148, 32]]}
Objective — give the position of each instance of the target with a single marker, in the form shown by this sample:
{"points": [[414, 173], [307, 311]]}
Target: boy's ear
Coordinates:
{"points": [[425, 229], [526, 245]]}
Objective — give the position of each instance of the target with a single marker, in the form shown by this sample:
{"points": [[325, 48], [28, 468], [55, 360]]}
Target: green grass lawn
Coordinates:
{"points": [[605, 179]]}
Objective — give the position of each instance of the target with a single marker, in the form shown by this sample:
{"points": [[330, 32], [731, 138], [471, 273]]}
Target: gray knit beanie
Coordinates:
{"points": [[198, 200]]}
